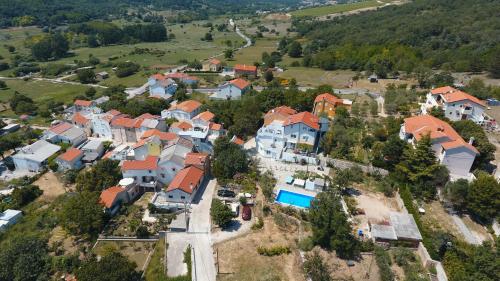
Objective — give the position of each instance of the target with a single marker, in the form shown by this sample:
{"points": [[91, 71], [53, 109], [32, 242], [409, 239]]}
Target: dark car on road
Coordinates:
{"points": [[226, 193], [246, 214]]}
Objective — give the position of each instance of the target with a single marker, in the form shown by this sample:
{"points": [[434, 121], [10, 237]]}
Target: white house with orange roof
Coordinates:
{"points": [[66, 133], [70, 160], [166, 138], [85, 106], [144, 172], [213, 65], [161, 87], [231, 90], [457, 105], [83, 122], [185, 185], [302, 129], [145, 147], [172, 159], [101, 123], [185, 110], [270, 139], [326, 105], [451, 150]]}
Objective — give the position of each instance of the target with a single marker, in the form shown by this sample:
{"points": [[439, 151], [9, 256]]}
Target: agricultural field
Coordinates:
{"points": [[338, 8], [254, 53], [315, 76]]}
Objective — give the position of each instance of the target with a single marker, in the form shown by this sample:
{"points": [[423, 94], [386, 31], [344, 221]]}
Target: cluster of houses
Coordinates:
{"points": [[293, 136], [168, 154]]}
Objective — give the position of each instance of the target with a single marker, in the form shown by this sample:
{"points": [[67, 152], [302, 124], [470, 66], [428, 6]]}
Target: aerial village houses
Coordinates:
{"points": [[185, 110], [126, 129], [457, 105], [66, 133], [327, 104], [161, 87], [83, 105], [172, 159], [247, 71], [231, 90], [183, 77], [213, 65], [112, 198], [34, 157], [101, 123], [185, 185], [144, 172], [270, 139], [450, 149], [70, 160], [82, 122]]}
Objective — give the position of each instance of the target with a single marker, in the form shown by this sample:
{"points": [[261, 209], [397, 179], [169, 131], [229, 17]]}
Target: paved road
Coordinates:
{"points": [[238, 31]]}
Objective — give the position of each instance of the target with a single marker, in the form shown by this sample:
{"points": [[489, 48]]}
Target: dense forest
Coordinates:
{"points": [[55, 12], [457, 35]]}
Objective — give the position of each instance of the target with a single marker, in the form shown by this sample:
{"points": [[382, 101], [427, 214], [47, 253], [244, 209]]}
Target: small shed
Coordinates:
{"points": [[383, 233], [299, 182], [310, 185], [102, 75], [373, 78], [10, 128]]}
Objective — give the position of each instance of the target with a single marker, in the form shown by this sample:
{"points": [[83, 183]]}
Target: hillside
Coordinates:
{"points": [[459, 35]]}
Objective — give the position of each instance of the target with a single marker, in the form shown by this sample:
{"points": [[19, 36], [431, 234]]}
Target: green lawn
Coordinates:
{"points": [[333, 9], [155, 269], [315, 76], [254, 53]]}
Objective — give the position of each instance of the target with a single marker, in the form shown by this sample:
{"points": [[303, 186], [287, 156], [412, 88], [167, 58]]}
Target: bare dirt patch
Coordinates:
{"points": [[437, 218], [61, 239], [135, 251], [52, 187]]}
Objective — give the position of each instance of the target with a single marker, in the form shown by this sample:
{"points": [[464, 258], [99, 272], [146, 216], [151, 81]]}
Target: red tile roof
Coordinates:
{"points": [[148, 116], [80, 119], [180, 75], [303, 117], [164, 136], [215, 127], [329, 98], [127, 122], [183, 125], [279, 113], [187, 106], [85, 103], [186, 179], [421, 125], [108, 196], [193, 158], [70, 154], [451, 94], [240, 83], [214, 61], [114, 112], [246, 68], [205, 116], [285, 110], [60, 128], [150, 163], [158, 76], [238, 141]]}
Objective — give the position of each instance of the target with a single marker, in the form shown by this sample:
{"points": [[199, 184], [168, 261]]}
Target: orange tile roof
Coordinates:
{"points": [[193, 158], [183, 125], [164, 136], [278, 114], [80, 119], [329, 98], [238, 141], [443, 90], [240, 83], [205, 116], [108, 195], [70, 154], [85, 103], [158, 76], [282, 110], [127, 122], [150, 163], [186, 179], [303, 117], [244, 67], [187, 106], [451, 94], [421, 125], [180, 75], [60, 128], [148, 116], [215, 127], [214, 61], [140, 143], [114, 112]]}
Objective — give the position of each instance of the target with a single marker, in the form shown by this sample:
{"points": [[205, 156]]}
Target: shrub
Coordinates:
{"points": [[306, 244], [384, 264], [273, 251], [259, 224], [402, 256]]}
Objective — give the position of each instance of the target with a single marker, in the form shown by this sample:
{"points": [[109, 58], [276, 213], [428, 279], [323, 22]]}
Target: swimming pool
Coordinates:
{"points": [[294, 199]]}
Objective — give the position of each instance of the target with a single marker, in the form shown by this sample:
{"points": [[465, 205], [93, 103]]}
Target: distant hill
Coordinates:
{"points": [[459, 35]]}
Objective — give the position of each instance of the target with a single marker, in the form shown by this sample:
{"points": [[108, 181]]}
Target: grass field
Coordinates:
{"points": [[316, 76], [155, 269], [135, 251], [333, 9], [254, 53]]}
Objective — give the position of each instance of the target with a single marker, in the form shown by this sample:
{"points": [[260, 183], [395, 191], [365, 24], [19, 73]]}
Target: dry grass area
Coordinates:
{"points": [[364, 269], [315, 76], [135, 251], [382, 84], [478, 230], [52, 187], [239, 260], [437, 218], [64, 241]]}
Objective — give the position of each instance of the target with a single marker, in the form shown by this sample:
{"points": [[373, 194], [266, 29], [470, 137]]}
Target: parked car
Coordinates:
{"points": [[226, 193], [246, 214]]}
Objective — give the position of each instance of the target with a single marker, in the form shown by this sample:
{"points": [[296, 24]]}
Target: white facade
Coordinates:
{"points": [[162, 88], [101, 127], [179, 114], [270, 140], [228, 91], [34, 156], [457, 110], [299, 133], [145, 178]]}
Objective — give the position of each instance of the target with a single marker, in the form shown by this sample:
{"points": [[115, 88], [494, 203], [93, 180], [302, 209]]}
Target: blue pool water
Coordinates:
{"points": [[294, 199]]}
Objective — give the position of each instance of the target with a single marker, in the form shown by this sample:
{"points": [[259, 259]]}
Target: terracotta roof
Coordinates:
{"points": [[193, 158], [278, 114], [158, 76], [127, 122], [140, 143], [303, 117], [443, 90], [214, 61], [164, 136], [205, 116], [80, 119], [238, 141], [60, 128], [150, 163], [148, 116], [329, 98], [85, 103], [282, 110], [422, 125], [240, 83], [183, 125], [114, 112], [244, 67], [70, 154], [186, 179], [215, 127], [187, 106], [108, 196], [451, 94]]}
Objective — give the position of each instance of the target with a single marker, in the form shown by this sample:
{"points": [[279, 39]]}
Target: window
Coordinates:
{"points": [[183, 197], [293, 136], [173, 169], [149, 171], [311, 130], [170, 196], [305, 138], [162, 175]]}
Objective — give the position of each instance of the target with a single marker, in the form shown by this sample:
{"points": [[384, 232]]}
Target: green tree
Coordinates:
{"points": [[90, 92], [82, 214], [220, 213], [112, 267], [295, 49], [457, 192], [316, 268], [483, 198], [228, 54], [374, 108], [3, 85], [24, 258], [22, 104], [229, 159], [268, 76], [86, 76], [330, 228], [105, 173], [208, 37]]}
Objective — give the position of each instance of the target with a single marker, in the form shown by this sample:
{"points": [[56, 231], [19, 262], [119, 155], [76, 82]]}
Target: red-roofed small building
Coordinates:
{"points": [[231, 90], [326, 104], [83, 105], [185, 185], [185, 110], [144, 172], [213, 65], [450, 148], [161, 86], [112, 198], [82, 122], [198, 160], [237, 141], [70, 160], [247, 71], [457, 105]]}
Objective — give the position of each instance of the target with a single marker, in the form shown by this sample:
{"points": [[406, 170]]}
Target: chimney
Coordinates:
{"points": [[191, 186], [471, 140]]}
